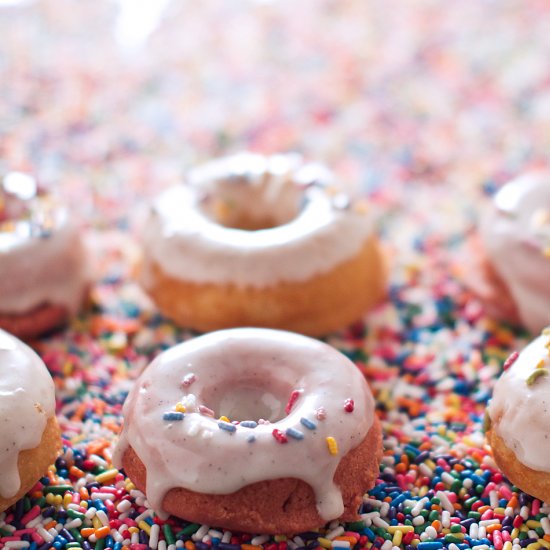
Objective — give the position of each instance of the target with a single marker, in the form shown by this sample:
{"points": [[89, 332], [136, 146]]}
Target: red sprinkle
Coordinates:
{"points": [[280, 436], [293, 398], [349, 405], [510, 361]]}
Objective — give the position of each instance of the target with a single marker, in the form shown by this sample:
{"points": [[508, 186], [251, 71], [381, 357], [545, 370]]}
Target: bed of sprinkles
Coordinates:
{"points": [[427, 123]]}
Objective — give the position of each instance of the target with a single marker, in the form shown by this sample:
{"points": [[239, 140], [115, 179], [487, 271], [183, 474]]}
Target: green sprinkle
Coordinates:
{"points": [[100, 544], [168, 535], [191, 529], [76, 534], [535, 375], [356, 525], [57, 489]]}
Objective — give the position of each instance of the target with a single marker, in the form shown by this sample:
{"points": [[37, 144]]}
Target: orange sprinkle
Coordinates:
{"points": [[84, 494], [87, 531], [250, 547], [189, 545], [493, 527], [76, 472], [102, 532], [49, 525], [436, 524], [546, 538], [351, 540]]}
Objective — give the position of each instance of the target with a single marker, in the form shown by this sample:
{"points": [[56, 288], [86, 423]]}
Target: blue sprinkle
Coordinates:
{"points": [[429, 545], [251, 438], [248, 424], [227, 426], [294, 433], [307, 423], [173, 416]]}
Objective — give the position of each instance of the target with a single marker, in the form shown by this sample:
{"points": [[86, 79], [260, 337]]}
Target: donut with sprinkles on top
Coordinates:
{"points": [[43, 272], [269, 241], [518, 418], [255, 430], [515, 239], [29, 435]]}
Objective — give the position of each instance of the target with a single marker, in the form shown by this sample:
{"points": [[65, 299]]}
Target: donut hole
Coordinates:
{"points": [[248, 400], [251, 205]]}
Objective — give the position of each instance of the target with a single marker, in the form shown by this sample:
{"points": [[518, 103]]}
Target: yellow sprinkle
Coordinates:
{"points": [[332, 445], [540, 364], [96, 523], [58, 500], [224, 419], [545, 543], [145, 526], [180, 407], [280, 538], [535, 375], [394, 528], [397, 538], [67, 499], [325, 543], [534, 546], [106, 476], [532, 523], [133, 529], [507, 545], [49, 498]]}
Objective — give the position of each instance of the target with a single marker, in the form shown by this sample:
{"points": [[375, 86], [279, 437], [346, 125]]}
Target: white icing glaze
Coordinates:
{"points": [[520, 411], [247, 373], [42, 258], [183, 238], [516, 236], [27, 400]]}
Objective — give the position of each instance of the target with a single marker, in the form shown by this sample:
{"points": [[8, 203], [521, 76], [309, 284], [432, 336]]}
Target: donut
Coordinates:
{"points": [[43, 277], [515, 242], [29, 432], [518, 418], [261, 241], [252, 429]]}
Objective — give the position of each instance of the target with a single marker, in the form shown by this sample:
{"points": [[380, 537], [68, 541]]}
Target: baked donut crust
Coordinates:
{"points": [[33, 463], [325, 303], [284, 505], [40, 320], [533, 482]]}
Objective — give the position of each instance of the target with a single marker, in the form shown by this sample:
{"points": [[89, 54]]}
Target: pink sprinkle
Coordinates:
{"points": [[510, 361], [349, 405], [203, 409], [293, 398], [279, 436], [535, 507], [188, 379], [30, 515], [321, 413], [505, 492]]}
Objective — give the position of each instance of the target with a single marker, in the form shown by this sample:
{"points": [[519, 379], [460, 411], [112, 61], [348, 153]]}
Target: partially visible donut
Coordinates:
{"points": [[515, 243], [252, 429], [43, 277], [519, 419], [262, 241], [29, 434]]}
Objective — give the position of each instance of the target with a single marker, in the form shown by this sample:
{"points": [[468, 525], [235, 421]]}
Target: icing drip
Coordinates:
{"points": [[26, 402], [516, 235], [41, 255], [301, 228], [520, 407], [252, 374]]}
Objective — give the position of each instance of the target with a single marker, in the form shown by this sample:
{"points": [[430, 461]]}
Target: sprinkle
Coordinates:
{"points": [[279, 436], [292, 400], [332, 445], [349, 405], [535, 375], [172, 416], [308, 423], [294, 433], [224, 419], [510, 361], [180, 407], [321, 413], [203, 409], [248, 424], [227, 426], [540, 364], [188, 379]]}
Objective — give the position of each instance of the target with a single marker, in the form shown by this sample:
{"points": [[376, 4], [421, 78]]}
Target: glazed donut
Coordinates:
{"points": [[43, 277], [515, 235], [252, 429], [519, 418], [29, 431], [261, 241]]}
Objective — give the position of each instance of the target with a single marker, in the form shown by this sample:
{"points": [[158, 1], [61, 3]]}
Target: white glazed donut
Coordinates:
{"points": [[294, 408], [43, 276], [519, 418], [516, 237], [29, 432], [261, 241]]}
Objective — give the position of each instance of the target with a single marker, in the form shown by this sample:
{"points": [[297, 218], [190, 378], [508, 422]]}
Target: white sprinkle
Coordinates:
{"points": [[124, 505], [418, 520], [545, 524], [340, 544], [73, 524], [445, 502], [386, 546], [90, 513], [482, 533], [162, 545], [227, 536], [154, 536], [474, 530], [215, 534], [431, 532], [260, 539], [384, 509], [419, 506], [524, 512], [102, 517], [200, 533], [146, 514], [379, 522], [335, 533], [17, 544], [445, 519], [44, 534], [493, 499], [485, 522]]}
